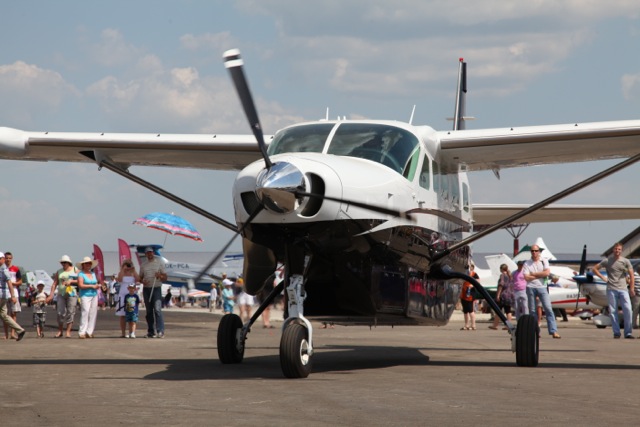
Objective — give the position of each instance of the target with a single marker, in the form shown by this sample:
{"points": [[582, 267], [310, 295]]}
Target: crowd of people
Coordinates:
{"points": [[522, 291], [77, 285], [525, 291]]}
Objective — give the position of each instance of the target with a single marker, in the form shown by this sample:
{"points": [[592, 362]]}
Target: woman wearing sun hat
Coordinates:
{"points": [[88, 284], [66, 283]]}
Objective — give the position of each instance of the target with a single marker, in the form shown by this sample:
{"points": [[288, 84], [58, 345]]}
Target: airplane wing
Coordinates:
{"points": [[224, 152], [494, 149], [489, 214]]}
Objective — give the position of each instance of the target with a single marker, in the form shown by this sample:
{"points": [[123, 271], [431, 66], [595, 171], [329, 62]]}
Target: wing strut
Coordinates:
{"points": [[513, 218], [105, 162]]}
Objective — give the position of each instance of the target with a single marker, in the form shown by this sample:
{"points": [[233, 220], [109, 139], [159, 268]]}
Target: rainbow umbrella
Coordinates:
{"points": [[169, 223]]}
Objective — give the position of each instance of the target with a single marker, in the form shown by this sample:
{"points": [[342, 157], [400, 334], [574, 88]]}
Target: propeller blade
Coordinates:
{"points": [[583, 269], [234, 63], [583, 260], [224, 249], [379, 209]]}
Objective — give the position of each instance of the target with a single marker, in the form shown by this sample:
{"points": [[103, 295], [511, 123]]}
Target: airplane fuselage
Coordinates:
{"points": [[361, 266]]}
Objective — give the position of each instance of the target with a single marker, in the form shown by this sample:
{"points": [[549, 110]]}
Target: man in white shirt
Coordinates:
{"points": [[152, 275], [535, 271]]}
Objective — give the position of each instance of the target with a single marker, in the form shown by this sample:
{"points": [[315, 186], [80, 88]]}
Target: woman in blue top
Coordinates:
{"points": [[88, 284]]}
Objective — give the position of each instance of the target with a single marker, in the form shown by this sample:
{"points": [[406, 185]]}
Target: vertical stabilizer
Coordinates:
{"points": [[461, 94]]}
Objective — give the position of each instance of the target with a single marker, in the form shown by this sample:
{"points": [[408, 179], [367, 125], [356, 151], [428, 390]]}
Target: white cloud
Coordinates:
{"points": [[27, 90], [208, 41], [631, 86], [397, 47], [113, 50]]}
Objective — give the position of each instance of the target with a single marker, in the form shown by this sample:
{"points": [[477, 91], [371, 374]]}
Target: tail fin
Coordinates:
{"points": [[461, 95], [459, 116]]}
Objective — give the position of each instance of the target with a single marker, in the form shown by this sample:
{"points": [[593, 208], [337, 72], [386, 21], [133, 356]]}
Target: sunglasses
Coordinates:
{"points": [[535, 250]]}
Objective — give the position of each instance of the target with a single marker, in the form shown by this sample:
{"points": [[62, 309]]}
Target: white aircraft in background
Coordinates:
{"points": [[566, 295], [184, 274], [372, 219]]}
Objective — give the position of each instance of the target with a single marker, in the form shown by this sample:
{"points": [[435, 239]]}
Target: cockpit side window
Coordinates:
{"points": [[305, 138], [425, 176], [412, 165], [388, 145]]}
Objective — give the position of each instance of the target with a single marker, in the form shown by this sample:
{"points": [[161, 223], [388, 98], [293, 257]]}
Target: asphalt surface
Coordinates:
{"points": [[375, 377]]}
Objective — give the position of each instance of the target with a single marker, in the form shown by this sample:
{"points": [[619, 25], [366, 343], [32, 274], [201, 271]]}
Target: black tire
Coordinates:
{"points": [[295, 360], [527, 341], [601, 327], [228, 351]]}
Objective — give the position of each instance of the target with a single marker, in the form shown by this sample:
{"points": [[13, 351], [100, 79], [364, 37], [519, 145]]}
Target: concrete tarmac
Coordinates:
{"points": [[376, 377]]}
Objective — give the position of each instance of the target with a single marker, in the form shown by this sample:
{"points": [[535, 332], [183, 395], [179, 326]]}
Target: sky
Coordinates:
{"points": [[156, 66]]}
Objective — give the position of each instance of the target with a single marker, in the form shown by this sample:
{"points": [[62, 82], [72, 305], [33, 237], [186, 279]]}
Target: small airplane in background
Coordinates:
{"points": [[595, 289], [183, 274], [567, 294], [371, 219]]}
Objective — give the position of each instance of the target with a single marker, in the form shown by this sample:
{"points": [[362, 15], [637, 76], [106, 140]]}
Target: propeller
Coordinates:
{"points": [[583, 269], [583, 261], [234, 63]]}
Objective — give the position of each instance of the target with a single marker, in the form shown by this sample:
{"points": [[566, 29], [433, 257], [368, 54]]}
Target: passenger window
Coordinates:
{"points": [[465, 197]]}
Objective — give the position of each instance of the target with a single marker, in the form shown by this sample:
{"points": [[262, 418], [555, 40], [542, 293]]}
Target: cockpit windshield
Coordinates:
{"points": [[391, 146], [306, 138], [388, 145]]}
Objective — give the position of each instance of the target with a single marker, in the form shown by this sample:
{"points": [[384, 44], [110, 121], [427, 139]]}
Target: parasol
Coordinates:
{"points": [[169, 223]]}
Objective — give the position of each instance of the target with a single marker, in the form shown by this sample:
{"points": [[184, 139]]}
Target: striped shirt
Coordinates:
{"points": [[148, 272]]}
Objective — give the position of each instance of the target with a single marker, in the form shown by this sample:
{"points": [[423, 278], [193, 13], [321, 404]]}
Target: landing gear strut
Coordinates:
{"points": [[296, 348]]}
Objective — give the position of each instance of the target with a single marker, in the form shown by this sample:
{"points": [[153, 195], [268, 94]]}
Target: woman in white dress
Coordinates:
{"points": [[126, 276]]}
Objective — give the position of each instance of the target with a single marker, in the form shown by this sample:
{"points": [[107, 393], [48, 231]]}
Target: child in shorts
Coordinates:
{"points": [[39, 314], [131, 304]]}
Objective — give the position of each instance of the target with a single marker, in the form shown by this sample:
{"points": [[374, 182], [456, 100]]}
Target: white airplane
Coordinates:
{"points": [[186, 274], [371, 219]]}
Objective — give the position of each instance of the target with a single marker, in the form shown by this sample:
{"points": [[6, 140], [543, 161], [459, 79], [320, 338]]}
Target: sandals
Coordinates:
{"points": [[465, 328], [556, 335], [495, 328]]}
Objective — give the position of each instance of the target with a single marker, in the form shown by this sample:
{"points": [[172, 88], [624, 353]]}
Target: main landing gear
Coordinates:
{"points": [[524, 337], [296, 350]]}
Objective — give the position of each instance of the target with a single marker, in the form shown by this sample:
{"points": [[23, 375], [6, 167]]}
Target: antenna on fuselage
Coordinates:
{"points": [[461, 95], [413, 110]]}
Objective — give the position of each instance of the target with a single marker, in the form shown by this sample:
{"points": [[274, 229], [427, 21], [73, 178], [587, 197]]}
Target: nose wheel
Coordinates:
{"points": [[295, 351]]}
